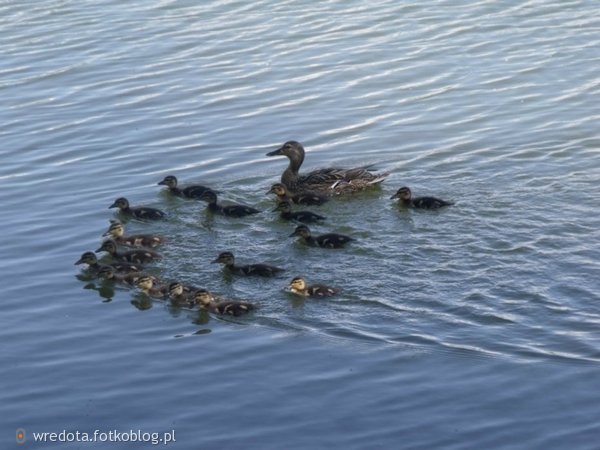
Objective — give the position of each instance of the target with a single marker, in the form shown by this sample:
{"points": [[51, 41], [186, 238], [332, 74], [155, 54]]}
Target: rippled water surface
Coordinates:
{"points": [[476, 326]]}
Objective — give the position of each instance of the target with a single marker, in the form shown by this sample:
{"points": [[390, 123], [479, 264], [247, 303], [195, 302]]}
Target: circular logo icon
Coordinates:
{"points": [[20, 435]]}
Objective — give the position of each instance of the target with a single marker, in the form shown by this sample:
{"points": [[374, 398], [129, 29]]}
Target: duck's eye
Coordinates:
{"points": [[287, 146]]}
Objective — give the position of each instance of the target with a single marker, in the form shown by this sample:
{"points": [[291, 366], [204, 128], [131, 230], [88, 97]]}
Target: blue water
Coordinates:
{"points": [[472, 327]]}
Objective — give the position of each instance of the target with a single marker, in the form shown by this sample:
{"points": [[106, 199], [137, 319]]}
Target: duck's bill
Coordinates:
{"points": [[114, 205], [162, 182], [276, 152]]}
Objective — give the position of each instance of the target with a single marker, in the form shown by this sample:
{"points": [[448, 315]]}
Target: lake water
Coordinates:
{"points": [[473, 327]]}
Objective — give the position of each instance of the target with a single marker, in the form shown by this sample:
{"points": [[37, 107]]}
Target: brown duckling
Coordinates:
{"points": [[328, 240], [116, 231], [298, 286], [179, 296], [299, 216], [229, 210], [91, 260], [303, 198], [133, 256], [146, 285], [405, 196], [139, 212], [109, 273], [193, 191], [262, 270], [206, 300]]}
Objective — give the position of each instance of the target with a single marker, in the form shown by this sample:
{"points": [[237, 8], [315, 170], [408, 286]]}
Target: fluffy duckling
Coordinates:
{"points": [[328, 181], [405, 196], [262, 270], [91, 260], [298, 286], [179, 296], [229, 210], [328, 240], [192, 191], [109, 273], [299, 216], [116, 231], [207, 301], [133, 256], [304, 198], [146, 285], [139, 212]]}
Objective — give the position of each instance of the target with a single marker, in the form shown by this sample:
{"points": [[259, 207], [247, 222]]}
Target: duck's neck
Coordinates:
{"points": [[214, 207], [290, 175]]}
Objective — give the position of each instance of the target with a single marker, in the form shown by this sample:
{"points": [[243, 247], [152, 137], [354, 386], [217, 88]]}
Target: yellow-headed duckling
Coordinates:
{"points": [[178, 295], [131, 278], [303, 198], [146, 285], [91, 260], [298, 286], [133, 256], [192, 191], [116, 231], [405, 196], [206, 300]]}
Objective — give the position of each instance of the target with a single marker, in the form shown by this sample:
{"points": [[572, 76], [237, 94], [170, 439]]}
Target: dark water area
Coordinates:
{"points": [[475, 326]]}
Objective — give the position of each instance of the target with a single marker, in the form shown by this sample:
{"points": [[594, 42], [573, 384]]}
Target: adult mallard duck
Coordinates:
{"points": [[328, 240], [262, 270], [139, 212], [304, 198], [230, 210], [192, 191], [147, 286], [116, 231], [91, 260], [328, 181], [298, 286], [206, 300], [133, 256], [299, 216], [405, 196], [109, 273]]}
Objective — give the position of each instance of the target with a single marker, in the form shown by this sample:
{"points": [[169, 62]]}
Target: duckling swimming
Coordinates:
{"points": [[405, 196], [262, 270], [299, 216], [328, 181], [207, 301], [116, 231], [146, 285], [193, 191], [178, 296], [133, 256], [139, 212], [91, 260], [109, 273], [328, 240], [229, 210], [304, 198], [298, 286]]}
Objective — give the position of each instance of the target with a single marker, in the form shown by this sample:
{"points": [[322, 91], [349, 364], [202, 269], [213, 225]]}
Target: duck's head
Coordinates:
{"points": [[284, 206], [108, 246], [292, 149], [209, 196], [169, 181], [226, 258], [297, 284], [302, 231], [145, 283], [121, 203], [175, 289], [116, 230], [203, 297], [403, 194], [106, 272], [87, 258], [278, 189]]}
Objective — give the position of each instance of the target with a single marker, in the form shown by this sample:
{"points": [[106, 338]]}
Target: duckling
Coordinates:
{"points": [[178, 295], [225, 307], [109, 273], [229, 210], [192, 191], [305, 198], [146, 285], [299, 216], [139, 212], [262, 270], [405, 196], [298, 286], [116, 231], [134, 256], [328, 240], [91, 260], [327, 181]]}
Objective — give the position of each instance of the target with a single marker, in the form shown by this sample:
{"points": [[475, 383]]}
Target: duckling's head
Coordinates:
{"points": [[302, 231], [291, 149], [226, 258], [87, 258], [116, 230], [145, 283], [284, 206], [121, 203], [169, 181], [403, 194], [108, 246], [175, 289], [203, 297], [278, 189], [106, 272], [209, 196], [297, 284]]}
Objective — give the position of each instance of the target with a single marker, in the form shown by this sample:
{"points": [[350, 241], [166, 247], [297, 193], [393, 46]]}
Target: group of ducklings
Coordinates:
{"points": [[314, 188]]}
